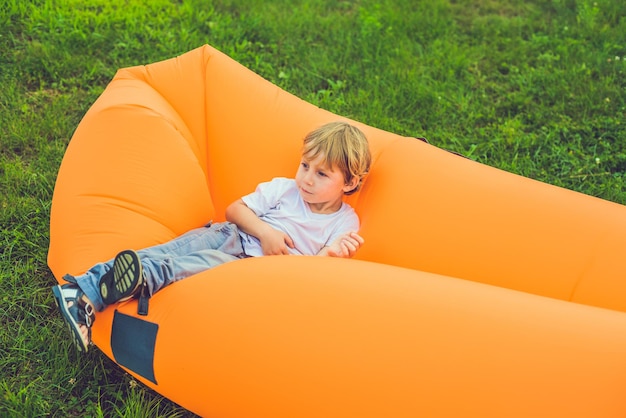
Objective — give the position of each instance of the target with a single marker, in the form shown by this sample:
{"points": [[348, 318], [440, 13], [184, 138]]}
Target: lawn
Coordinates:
{"points": [[535, 87]]}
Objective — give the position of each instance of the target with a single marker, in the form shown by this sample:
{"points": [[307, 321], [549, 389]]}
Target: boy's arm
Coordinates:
{"points": [[273, 242], [344, 246]]}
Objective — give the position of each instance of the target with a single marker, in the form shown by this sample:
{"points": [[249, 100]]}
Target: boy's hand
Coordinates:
{"points": [[345, 246], [274, 242]]}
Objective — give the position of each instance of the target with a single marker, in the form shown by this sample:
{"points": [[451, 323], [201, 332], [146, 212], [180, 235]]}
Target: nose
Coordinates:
{"points": [[308, 177]]}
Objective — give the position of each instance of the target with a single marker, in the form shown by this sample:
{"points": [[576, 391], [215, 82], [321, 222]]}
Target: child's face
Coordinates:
{"points": [[320, 186]]}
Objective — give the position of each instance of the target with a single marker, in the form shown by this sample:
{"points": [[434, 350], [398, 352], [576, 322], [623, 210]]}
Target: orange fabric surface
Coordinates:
{"points": [[460, 303]]}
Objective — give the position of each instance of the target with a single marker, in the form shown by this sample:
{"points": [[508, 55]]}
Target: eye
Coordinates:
{"points": [[304, 165], [321, 174]]}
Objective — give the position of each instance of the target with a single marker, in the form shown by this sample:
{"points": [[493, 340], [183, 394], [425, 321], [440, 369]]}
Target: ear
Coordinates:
{"points": [[351, 185]]}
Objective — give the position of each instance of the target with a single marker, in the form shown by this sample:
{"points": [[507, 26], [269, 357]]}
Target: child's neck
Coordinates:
{"points": [[325, 208]]}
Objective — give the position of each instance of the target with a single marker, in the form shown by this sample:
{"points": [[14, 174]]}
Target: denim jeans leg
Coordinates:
{"points": [[162, 271], [196, 251], [188, 254]]}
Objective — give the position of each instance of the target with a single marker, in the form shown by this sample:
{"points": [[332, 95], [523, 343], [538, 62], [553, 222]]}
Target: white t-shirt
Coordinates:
{"points": [[278, 202]]}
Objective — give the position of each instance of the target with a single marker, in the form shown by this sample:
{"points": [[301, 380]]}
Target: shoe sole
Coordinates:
{"points": [[127, 278]]}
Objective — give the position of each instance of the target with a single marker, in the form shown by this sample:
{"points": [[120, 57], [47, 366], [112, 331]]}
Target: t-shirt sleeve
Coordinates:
{"points": [[266, 196]]}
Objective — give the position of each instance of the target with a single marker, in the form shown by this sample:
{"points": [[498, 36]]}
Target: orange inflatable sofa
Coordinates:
{"points": [[478, 293]]}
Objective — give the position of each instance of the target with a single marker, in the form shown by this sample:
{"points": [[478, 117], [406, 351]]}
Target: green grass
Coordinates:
{"points": [[533, 87]]}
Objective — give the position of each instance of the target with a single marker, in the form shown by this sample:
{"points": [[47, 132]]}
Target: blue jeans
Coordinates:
{"points": [[191, 253]]}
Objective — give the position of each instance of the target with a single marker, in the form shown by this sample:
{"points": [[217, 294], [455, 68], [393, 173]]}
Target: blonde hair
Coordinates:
{"points": [[343, 146]]}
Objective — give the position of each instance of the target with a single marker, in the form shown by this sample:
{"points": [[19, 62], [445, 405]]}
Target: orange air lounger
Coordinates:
{"points": [[478, 293]]}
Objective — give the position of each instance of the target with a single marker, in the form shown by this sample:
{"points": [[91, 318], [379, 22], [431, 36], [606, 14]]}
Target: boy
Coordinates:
{"points": [[303, 216]]}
